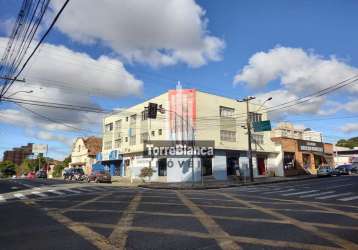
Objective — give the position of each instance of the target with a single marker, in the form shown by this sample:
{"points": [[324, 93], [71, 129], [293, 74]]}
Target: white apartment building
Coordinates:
{"points": [[84, 151], [187, 114], [287, 130]]}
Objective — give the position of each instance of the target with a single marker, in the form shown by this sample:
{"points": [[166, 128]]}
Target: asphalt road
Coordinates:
{"points": [[311, 214], [9, 185]]}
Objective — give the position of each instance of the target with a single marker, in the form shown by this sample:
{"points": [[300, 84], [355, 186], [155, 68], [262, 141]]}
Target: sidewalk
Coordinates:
{"points": [[223, 184]]}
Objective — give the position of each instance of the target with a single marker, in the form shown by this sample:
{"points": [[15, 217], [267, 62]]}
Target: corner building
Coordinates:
{"points": [[187, 114]]}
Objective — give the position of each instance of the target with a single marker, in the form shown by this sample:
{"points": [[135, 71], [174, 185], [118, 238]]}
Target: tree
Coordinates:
{"points": [[7, 168], [350, 143], [57, 171], [146, 172], [25, 167]]}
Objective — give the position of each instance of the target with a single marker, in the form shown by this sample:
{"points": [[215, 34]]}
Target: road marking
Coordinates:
{"points": [[20, 196], [97, 188], [210, 224], [119, 235], [39, 194], [83, 189], [306, 227], [333, 196], [318, 194], [349, 198], [302, 192], [73, 191], [88, 234], [55, 192], [287, 190], [2, 199]]}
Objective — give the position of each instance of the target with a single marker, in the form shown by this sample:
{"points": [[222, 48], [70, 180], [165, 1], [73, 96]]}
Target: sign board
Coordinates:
{"points": [[310, 146], [262, 126], [39, 148]]}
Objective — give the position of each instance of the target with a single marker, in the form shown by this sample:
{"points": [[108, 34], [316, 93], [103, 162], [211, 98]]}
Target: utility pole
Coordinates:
{"points": [[248, 124]]}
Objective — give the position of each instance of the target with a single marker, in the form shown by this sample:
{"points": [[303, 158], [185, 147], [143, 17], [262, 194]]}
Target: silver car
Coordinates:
{"points": [[324, 171]]}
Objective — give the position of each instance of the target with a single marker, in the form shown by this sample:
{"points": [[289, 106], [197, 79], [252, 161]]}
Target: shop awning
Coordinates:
{"points": [[77, 163]]}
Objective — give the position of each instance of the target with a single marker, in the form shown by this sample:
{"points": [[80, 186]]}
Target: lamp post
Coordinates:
{"points": [[248, 126]]}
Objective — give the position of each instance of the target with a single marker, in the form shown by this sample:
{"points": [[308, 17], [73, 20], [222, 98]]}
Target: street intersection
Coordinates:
{"points": [[311, 214]]}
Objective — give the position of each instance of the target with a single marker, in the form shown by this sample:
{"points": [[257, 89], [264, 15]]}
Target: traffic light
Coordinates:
{"points": [[152, 110]]}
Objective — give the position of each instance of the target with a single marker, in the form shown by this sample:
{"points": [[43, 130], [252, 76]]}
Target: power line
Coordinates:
{"points": [[37, 46]]}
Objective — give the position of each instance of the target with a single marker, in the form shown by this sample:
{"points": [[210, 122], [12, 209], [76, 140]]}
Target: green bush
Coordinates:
{"points": [[146, 172]]}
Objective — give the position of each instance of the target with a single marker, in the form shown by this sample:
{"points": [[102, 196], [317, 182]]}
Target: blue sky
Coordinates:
{"points": [[295, 47]]}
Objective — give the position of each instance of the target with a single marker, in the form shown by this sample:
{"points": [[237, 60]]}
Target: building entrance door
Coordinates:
{"points": [[261, 165], [207, 167], [232, 164], [162, 167]]}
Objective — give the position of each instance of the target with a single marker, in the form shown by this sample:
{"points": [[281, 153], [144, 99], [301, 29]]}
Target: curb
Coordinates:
{"points": [[149, 186]]}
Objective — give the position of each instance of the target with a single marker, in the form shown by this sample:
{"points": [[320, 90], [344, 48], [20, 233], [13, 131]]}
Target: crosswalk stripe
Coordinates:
{"points": [[333, 196], [302, 192], [2, 199], [97, 188], [20, 196], [287, 190], [55, 192], [39, 194], [349, 198], [73, 191], [318, 194]]}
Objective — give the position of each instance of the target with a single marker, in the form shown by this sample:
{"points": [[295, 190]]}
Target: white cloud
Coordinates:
{"points": [[350, 128], [297, 70], [157, 32], [58, 74], [352, 106], [299, 73]]}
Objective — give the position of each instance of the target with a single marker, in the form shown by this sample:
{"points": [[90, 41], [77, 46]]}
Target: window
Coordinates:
{"points": [[227, 112], [133, 119], [107, 145], [126, 139], [226, 135], [132, 140], [143, 137], [258, 139], [160, 131], [118, 125], [255, 117], [126, 118], [144, 115], [108, 127], [118, 143], [153, 133]]}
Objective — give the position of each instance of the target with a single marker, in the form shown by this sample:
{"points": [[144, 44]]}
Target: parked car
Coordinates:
{"points": [[344, 169], [41, 174], [325, 171], [99, 176], [31, 175]]}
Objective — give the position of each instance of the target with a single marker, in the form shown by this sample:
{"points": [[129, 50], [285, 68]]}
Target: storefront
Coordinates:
{"points": [[112, 162], [304, 157]]}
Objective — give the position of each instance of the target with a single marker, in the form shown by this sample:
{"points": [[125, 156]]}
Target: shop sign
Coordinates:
{"points": [[310, 146], [39, 148], [262, 126]]}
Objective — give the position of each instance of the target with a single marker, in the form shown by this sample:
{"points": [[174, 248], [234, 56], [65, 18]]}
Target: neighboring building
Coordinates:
{"points": [[287, 130], [302, 156], [18, 155], [84, 151], [344, 155], [188, 114]]}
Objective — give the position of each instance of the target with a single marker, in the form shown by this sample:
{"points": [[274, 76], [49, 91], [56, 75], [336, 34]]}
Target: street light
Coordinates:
{"points": [[248, 125], [21, 91]]}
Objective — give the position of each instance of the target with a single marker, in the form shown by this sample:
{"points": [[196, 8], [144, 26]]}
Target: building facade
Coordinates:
{"points": [[84, 151], [299, 156], [187, 114], [18, 155], [344, 155]]}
